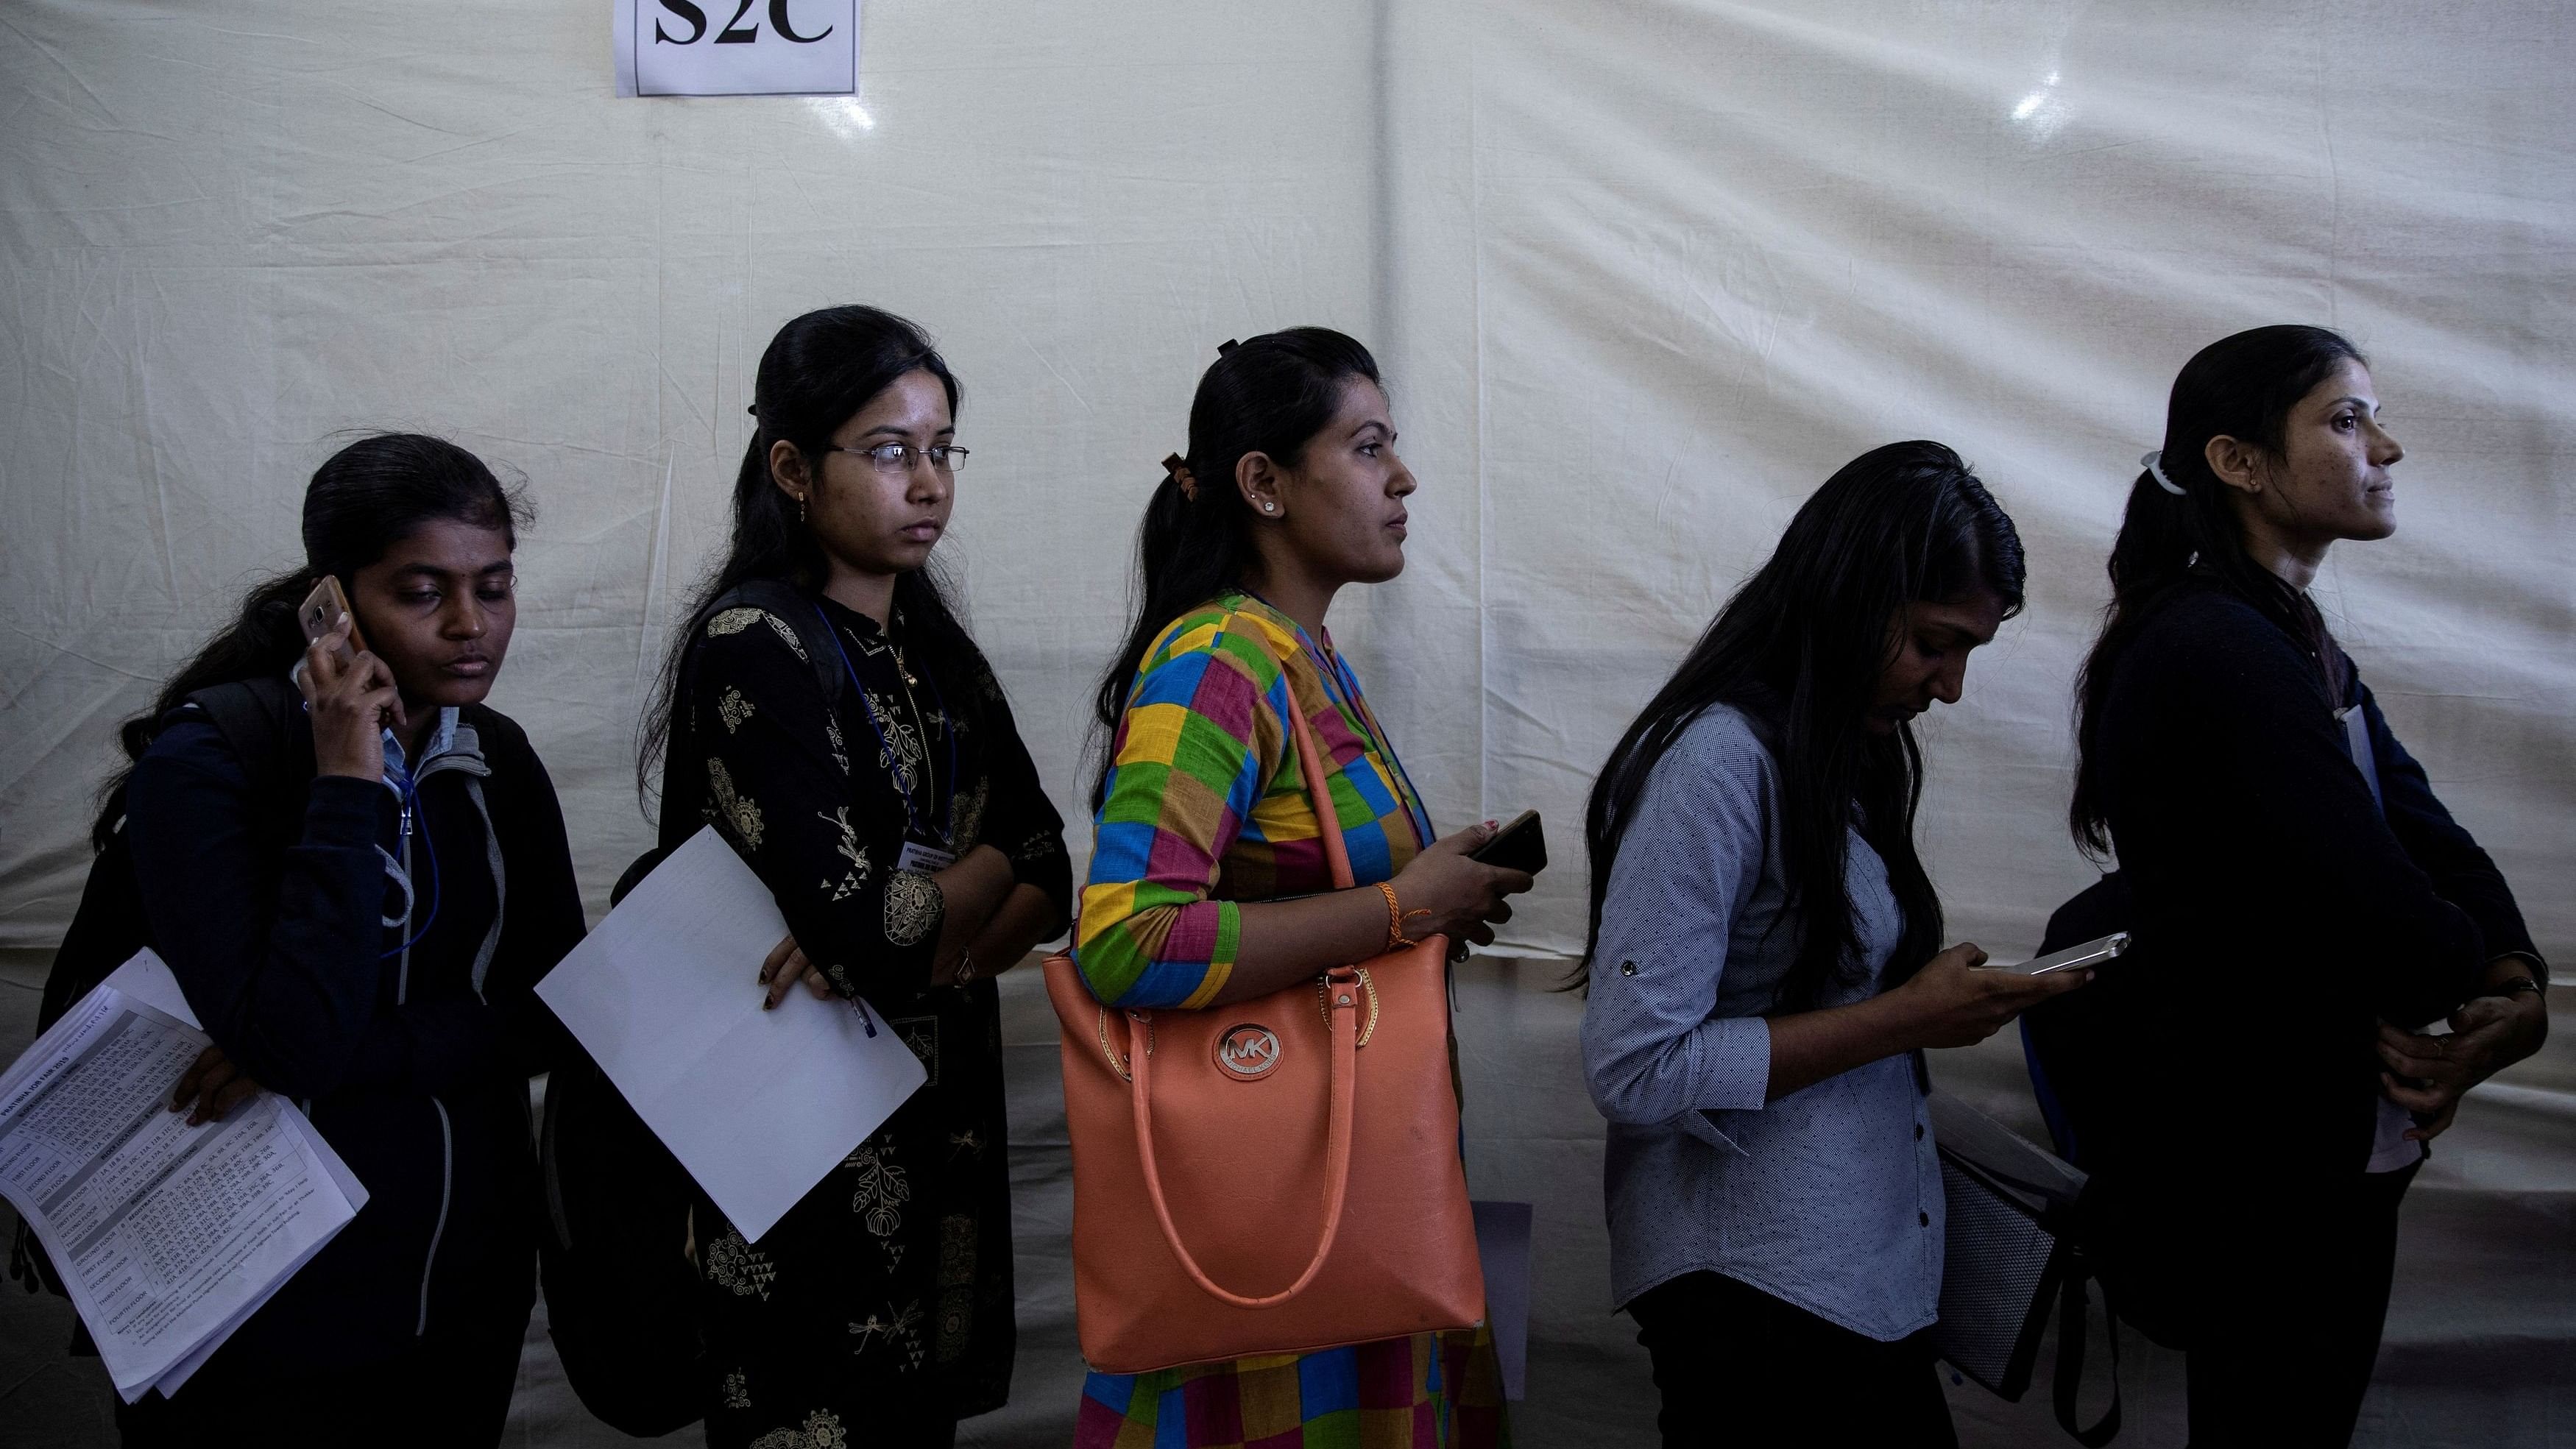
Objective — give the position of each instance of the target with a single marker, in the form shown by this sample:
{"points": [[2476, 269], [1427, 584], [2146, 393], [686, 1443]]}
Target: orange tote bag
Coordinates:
{"points": [[1274, 1176]]}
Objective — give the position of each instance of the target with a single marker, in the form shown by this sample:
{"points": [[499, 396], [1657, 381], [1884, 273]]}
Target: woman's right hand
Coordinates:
{"points": [[785, 966], [1443, 892], [216, 1085], [1950, 1003], [351, 698]]}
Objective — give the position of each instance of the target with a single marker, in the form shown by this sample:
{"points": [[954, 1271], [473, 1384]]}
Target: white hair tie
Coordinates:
{"points": [[2154, 463]]}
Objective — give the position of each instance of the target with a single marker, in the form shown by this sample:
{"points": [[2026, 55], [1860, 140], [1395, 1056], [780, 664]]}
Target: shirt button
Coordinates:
{"points": [[1627, 968], [1925, 1219]]}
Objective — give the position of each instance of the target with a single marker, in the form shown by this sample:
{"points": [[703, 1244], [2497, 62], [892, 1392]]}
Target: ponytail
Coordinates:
{"points": [[1270, 395], [2180, 524], [2161, 533]]}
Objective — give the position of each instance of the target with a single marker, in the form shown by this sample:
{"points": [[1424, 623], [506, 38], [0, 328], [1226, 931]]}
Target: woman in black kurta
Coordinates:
{"points": [[849, 760]]}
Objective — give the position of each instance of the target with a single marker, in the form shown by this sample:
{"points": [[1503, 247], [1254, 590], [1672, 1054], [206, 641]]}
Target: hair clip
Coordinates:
{"points": [[1228, 345], [1177, 469], [2154, 463]]}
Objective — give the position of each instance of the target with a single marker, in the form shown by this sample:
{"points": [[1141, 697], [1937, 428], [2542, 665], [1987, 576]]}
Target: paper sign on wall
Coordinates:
{"points": [[737, 47]]}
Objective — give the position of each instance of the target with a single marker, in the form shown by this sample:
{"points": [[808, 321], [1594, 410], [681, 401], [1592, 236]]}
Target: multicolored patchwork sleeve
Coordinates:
{"points": [[1201, 740]]}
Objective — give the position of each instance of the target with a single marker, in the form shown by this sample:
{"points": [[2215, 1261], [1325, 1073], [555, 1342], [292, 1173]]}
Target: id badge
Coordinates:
{"points": [[927, 859]]}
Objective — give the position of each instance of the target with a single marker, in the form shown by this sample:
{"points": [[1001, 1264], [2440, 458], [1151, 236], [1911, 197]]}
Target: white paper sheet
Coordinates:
{"points": [[756, 1104], [168, 1236]]}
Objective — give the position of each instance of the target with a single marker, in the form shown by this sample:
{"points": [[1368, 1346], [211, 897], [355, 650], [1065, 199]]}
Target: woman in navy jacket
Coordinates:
{"points": [[361, 930], [2304, 907]]}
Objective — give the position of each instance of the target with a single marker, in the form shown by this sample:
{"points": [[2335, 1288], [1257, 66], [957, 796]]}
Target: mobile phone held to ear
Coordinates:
{"points": [[321, 610], [1519, 845], [2091, 953]]}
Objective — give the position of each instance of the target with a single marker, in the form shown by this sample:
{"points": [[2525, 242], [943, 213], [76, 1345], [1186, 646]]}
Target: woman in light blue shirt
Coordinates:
{"points": [[1763, 975]]}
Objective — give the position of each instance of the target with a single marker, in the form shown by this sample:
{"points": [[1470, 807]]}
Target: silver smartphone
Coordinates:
{"points": [[2091, 953]]}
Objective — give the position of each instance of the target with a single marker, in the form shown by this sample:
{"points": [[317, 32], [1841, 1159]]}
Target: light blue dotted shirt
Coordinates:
{"points": [[1829, 1198]]}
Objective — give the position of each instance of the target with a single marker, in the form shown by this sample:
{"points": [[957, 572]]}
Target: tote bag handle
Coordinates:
{"points": [[1342, 987]]}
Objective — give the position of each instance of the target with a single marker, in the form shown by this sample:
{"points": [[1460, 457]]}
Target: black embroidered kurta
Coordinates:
{"points": [[886, 1292]]}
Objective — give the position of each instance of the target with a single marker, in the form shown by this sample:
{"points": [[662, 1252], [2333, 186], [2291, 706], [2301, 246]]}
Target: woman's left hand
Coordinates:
{"points": [[2488, 1034], [785, 966]]}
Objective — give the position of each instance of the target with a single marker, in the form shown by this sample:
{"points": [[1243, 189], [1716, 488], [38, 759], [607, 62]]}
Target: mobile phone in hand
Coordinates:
{"points": [[322, 609], [2091, 953], [1519, 845]]}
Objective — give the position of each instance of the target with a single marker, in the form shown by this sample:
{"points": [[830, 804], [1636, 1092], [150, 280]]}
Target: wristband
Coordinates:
{"points": [[1396, 916]]}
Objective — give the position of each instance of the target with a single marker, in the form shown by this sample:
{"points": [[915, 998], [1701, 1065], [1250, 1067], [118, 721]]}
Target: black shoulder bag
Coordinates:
{"points": [[616, 1232]]}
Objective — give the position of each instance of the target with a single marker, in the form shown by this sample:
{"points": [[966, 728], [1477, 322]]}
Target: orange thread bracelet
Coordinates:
{"points": [[1396, 916], [1395, 937]]}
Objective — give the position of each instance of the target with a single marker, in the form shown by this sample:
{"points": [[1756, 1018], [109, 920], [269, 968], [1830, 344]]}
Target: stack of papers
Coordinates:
{"points": [[168, 1236], [757, 1105]]}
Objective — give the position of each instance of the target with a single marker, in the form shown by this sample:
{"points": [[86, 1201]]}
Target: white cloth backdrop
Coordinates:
{"points": [[1642, 275]]}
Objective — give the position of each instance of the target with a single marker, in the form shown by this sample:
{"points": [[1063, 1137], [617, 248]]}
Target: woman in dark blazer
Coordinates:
{"points": [[2304, 906], [359, 912]]}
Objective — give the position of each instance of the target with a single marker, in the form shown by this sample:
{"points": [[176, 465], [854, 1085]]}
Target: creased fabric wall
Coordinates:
{"points": [[233, 231], [1661, 267], [1642, 274]]}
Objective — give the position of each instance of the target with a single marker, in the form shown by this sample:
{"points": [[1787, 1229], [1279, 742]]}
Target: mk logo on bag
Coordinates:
{"points": [[1248, 1052]]}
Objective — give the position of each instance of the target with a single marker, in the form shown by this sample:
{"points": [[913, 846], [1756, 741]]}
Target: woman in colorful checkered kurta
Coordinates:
{"points": [[1291, 490], [1205, 806]]}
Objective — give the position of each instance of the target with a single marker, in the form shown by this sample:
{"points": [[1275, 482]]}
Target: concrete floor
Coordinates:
{"points": [[2481, 1346]]}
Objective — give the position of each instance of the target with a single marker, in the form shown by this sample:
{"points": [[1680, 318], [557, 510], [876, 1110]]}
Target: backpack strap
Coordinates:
{"points": [[2061, 1129], [783, 601], [2071, 1328], [257, 718]]}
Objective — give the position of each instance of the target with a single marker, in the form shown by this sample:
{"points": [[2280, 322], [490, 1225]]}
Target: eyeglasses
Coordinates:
{"points": [[898, 457]]}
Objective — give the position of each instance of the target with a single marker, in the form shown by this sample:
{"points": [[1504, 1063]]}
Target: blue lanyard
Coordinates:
{"points": [[912, 817]]}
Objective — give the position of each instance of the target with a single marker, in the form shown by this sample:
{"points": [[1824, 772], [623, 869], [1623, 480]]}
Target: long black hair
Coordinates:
{"points": [[363, 500], [2241, 387], [1271, 394], [819, 371], [1800, 649]]}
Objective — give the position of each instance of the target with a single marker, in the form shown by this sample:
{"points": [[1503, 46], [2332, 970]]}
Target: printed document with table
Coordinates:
{"points": [[167, 1236]]}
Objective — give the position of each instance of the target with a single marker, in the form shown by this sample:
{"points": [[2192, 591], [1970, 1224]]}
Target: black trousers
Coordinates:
{"points": [[451, 1392], [1739, 1368], [2281, 1353]]}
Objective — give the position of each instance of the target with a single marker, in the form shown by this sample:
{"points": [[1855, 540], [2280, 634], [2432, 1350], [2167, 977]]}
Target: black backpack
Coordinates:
{"points": [[617, 1227], [257, 719], [2085, 1050], [613, 1240]]}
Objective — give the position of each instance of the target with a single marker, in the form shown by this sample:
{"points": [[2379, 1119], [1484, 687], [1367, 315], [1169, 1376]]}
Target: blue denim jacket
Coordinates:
{"points": [[1829, 1198]]}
